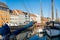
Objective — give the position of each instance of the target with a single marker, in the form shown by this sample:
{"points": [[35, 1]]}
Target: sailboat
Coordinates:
{"points": [[53, 27]]}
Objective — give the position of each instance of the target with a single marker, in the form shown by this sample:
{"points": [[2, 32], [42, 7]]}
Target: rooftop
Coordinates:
{"points": [[33, 15], [16, 12], [3, 5]]}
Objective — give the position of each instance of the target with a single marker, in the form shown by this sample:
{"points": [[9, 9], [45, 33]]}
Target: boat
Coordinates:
{"points": [[6, 34], [53, 29]]}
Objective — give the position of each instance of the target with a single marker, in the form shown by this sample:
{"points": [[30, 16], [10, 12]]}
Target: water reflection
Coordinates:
{"points": [[38, 36], [54, 38], [43, 37]]}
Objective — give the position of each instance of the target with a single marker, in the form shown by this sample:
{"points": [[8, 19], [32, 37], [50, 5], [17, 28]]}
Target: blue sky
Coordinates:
{"points": [[33, 6]]}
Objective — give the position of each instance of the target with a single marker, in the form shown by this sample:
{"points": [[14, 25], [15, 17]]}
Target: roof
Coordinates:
{"points": [[16, 12], [3, 5], [33, 15]]}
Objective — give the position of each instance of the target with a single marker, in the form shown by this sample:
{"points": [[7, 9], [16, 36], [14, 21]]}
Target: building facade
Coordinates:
{"points": [[23, 17], [14, 20], [4, 14], [33, 17], [17, 17], [27, 17]]}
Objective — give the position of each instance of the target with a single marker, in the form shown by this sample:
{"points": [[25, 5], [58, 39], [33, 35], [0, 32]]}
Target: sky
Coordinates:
{"points": [[33, 6]]}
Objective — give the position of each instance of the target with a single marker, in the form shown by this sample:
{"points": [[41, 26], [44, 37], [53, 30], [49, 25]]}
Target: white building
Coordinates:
{"points": [[14, 20], [27, 17], [38, 19], [23, 17], [33, 17], [19, 18]]}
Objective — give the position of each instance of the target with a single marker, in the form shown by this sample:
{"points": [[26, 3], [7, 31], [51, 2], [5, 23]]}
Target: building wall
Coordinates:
{"points": [[4, 14], [22, 19], [27, 17], [4, 17], [23, 16], [14, 20], [38, 19], [44, 20], [33, 17]]}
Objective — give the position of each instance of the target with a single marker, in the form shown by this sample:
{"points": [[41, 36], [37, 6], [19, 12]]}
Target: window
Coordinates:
{"points": [[6, 18], [11, 18], [6, 22], [0, 8], [3, 8]]}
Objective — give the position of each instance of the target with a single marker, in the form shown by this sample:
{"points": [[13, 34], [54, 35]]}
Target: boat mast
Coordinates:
{"points": [[52, 9], [56, 14], [41, 12]]}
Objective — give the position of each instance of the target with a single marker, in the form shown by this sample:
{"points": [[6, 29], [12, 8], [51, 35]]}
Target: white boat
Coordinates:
{"points": [[54, 31]]}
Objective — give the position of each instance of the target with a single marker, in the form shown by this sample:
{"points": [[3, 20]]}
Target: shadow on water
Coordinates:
{"points": [[40, 36]]}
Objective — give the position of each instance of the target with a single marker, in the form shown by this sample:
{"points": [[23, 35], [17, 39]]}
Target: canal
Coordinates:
{"points": [[43, 38], [40, 36]]}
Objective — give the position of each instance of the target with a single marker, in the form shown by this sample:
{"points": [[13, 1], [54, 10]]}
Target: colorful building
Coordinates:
{"points": [[44, 20], [14, 20], [4, 14], [17, 17], [22, 18]]}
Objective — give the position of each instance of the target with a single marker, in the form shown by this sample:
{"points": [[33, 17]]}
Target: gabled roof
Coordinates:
{"points": [[33, 15], [16, 12]]}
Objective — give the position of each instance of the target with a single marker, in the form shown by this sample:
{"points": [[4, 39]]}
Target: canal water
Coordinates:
{"points": [[43, 37], [36, 37], [39, 36]]}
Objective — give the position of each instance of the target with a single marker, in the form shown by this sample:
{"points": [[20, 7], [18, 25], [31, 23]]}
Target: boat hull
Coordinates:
{"points": [[53, 32]]}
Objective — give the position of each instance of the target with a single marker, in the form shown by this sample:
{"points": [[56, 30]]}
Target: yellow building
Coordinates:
{"points": [[4, 14]]}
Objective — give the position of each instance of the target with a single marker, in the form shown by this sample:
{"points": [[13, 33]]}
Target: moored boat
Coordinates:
{"points": [[53, 29]]}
